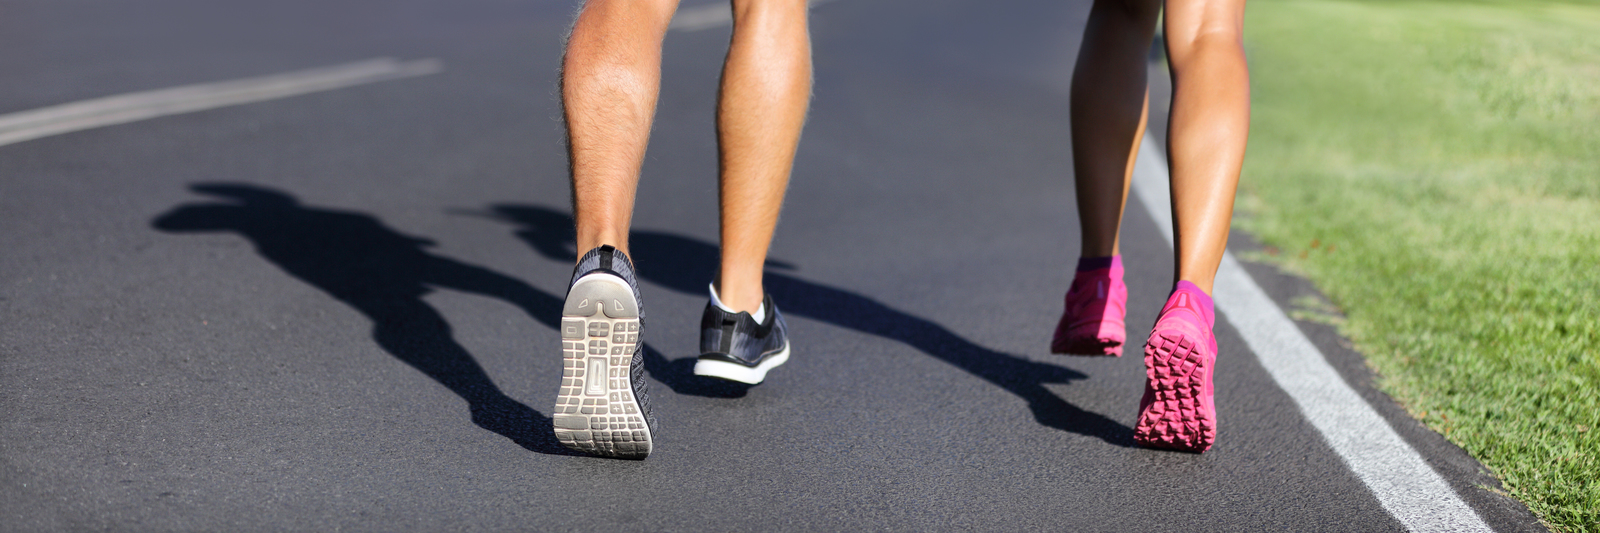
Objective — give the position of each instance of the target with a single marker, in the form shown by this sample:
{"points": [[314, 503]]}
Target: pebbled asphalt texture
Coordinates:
{"points": [[337, 311]]}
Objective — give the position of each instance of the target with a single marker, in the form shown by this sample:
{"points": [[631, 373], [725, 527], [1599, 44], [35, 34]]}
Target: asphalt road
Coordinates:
{"points": [[189, 305]]}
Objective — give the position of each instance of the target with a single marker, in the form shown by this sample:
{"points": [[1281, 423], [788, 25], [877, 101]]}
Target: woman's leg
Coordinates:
{"points": [[1206, 136], [1109, 95], [1207, 130], [1109, 98]]}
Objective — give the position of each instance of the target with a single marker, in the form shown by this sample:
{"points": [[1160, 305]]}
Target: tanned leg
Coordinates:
{"points": [[1206, 136], [610, 79], [766, 86], [1109, 101]]}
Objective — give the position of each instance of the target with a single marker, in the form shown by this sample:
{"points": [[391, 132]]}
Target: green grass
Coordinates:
{"points": [[1434, 167]]}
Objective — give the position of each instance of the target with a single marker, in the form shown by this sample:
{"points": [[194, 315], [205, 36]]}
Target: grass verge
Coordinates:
{"points": [[1434, 167]]}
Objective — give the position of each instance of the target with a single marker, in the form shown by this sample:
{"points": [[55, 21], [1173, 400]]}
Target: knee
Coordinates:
{"points": [[1201, 29]]}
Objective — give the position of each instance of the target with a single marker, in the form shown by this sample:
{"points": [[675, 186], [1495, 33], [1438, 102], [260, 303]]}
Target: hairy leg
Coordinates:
{"points": [[610, 79], [1207, 132], [766, 86], [1109, 107]]}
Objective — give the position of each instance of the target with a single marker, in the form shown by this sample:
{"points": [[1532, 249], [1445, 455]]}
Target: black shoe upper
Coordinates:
{"points": [[738, 338]]}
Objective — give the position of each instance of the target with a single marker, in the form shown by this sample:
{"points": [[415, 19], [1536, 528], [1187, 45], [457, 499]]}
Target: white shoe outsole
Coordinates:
{"points": [[596, 411], [741, 373]]}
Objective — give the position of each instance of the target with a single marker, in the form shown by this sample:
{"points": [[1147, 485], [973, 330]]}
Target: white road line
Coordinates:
{"points": [[710, 16], [130, 107], [1403, 483]]}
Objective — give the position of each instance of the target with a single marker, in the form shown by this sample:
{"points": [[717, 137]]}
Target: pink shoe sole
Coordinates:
{"points": [[1177, 411], [1088, 341]]}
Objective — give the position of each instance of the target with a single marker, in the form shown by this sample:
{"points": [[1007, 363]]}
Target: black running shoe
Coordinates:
{"points": [[734, 347], [603, 408]]}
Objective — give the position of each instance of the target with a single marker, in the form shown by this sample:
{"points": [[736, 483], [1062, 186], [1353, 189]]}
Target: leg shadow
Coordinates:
{"points": [[685, 265], [383, 274]]}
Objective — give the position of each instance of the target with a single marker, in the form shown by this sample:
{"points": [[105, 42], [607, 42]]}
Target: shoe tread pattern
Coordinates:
{"points": [[1177, 417], [600, 408]]}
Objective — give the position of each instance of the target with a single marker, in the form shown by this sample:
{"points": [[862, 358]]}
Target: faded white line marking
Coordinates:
{"points": [[130, 107], [1401, 480], [710, 16]]}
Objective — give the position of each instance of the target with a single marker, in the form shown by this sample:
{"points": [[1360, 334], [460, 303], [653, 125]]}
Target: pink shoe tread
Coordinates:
{"points": [[1178, 411]]}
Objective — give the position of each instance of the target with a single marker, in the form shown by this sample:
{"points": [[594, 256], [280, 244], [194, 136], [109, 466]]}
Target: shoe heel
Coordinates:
{"points": [[600, 292], [597, 410], [1177, 418]]}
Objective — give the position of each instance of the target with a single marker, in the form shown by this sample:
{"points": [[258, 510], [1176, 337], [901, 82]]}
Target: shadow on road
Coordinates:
{"points": [[383, 274], [686, 265]]}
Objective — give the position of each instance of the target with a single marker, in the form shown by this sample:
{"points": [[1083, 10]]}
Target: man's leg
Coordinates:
{"points": [[766, 85], [610, 79]]}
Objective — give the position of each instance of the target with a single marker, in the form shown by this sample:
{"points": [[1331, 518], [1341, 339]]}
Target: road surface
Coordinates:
{"points": [[336, 308]]}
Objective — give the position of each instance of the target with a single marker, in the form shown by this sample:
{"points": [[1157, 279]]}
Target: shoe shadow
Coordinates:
{"points": [[685, 265], [383, 274], [678, 375]]}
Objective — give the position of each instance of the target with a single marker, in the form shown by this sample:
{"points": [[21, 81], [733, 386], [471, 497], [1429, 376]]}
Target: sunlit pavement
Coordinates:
{"points": [[336, 309]]}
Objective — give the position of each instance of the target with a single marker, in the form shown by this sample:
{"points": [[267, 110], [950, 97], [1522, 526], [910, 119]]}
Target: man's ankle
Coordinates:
{"points": [[596, 240], [734, 302]]}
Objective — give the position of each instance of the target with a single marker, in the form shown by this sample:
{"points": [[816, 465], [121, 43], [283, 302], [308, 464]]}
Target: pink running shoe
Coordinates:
{"points": [[1093, 321], [1177, 411]]}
